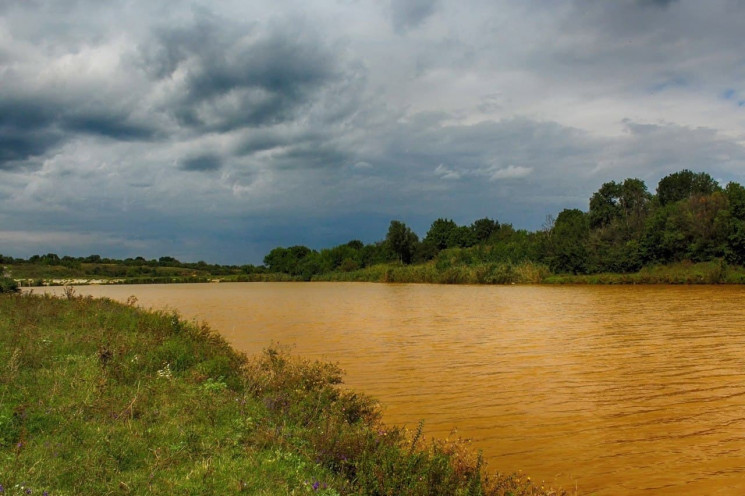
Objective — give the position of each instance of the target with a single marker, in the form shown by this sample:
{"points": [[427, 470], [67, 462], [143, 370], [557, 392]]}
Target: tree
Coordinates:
{"points": [[287, 260], [605, 205], [402, 241], [440, 234], [483, 228], [567, 250], [627, 203], [736, 232], [681, 185], [356, 244], [695, 229], [461, 237]]}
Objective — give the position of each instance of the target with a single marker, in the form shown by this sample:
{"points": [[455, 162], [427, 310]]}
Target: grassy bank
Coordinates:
{"points": [[453, 266], [98, 397], [482, 273], [714, 272]]}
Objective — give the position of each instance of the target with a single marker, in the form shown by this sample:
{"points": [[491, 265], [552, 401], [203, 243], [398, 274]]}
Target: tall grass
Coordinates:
{"points": [[98, 397], [444, 272], [713, 272]]}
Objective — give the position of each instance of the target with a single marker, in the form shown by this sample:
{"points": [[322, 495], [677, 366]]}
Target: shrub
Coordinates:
{"points": [[8, 285]]}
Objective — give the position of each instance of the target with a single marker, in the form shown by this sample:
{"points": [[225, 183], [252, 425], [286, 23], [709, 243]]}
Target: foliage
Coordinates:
{"points": [[8, 285], [567, 245], [684, 184], [402, 241]]}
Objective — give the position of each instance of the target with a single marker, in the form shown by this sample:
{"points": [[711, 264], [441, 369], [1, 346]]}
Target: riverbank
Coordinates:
{"points": [[457, 270], [714, 272], [99, 397]]}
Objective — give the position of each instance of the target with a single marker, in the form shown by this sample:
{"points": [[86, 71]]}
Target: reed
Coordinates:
{"points": [[445, 272]]}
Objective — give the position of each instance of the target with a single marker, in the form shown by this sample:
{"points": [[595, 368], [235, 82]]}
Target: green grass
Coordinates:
{"points": [[98, 397], [714, 272], [443, 272]]}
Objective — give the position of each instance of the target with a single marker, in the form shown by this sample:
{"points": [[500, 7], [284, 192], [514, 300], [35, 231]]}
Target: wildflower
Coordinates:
{"points": [[165, 372], [2, 489], [316, 485]]}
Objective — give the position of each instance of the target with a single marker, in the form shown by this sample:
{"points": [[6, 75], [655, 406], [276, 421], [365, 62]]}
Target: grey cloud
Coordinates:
{"points": [[408, 14], [108, 125], [657, 3], [659, 149], [314, 155], [25, 132], [239, 74], [31, 128], [260, 140], [201, 163]]}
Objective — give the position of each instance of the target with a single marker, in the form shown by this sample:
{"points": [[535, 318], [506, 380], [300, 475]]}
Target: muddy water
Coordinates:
{"points": [[612, 390]]}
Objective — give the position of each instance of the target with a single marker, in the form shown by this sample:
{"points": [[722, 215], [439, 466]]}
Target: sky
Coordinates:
{"points": [[217, 131]]}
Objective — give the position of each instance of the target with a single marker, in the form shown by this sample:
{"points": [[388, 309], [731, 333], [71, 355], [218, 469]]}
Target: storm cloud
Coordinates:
{"points": [[219, 131]]}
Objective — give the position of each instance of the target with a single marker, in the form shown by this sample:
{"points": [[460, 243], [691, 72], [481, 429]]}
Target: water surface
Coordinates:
{"points": [[613, 390]]}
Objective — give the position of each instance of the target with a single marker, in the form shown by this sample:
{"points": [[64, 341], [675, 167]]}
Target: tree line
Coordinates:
{"points": [[689, 217]]}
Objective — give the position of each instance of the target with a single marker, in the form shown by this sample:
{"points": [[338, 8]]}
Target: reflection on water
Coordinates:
{"points": [[619, 390]]}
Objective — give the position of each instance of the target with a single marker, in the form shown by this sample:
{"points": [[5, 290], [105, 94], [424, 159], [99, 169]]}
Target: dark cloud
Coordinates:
{"points": [[657, 3], [30, 128], [239, 75], [408, 14], [260, 140], [116, 127], [25, 131], [201, 163], [313, 156]]}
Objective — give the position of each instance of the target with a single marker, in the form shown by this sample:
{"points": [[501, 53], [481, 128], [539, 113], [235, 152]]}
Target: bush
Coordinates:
{"points": [[8, 285]]}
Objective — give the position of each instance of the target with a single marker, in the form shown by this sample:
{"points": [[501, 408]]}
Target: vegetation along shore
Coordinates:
{"points": [[692, 230], [99, 397]]}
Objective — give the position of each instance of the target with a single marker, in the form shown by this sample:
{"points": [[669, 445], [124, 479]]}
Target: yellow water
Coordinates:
{"points": [[612, 390]]}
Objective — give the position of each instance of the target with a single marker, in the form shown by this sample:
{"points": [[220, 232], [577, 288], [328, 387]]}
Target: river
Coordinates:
{"points": [[609, 390]]}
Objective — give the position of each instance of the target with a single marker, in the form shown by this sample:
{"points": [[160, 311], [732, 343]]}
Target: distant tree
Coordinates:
{"points": [[695, 229], [331, 259], [736, 231], [168, 262], [356, 244], [605, 205], [402, 241], [440, 234], [287, 260], [482, 229], [568, 242], [461, 237], [681, 185], [625, 204], [617, 216], [635, 203], [376, 253]]}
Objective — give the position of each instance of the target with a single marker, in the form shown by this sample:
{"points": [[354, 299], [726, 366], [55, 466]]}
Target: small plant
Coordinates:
{"points": [[8, 285], [69, 292]]}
